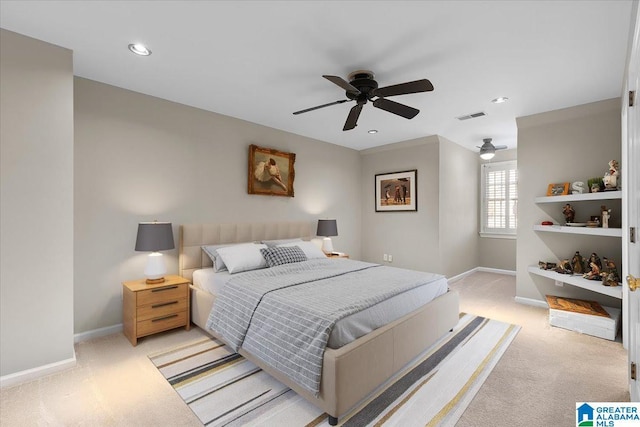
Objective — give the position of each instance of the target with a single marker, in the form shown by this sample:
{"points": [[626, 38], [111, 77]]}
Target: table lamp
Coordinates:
{"points": [[326, 229], [154, 237]]}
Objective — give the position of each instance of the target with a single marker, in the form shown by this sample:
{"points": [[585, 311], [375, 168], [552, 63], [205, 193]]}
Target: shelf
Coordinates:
{"points": [[610, 232], [577, 280], [602, 195]]}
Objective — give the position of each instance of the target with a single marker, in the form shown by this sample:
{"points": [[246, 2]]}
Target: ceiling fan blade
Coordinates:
{"points": [[417, 86], [396, 108], [321, 106], [352, 118], [343, 84], [501, 147]]}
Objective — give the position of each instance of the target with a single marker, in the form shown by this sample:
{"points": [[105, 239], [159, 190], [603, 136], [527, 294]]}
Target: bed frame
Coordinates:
{"points": [[350, 373]]}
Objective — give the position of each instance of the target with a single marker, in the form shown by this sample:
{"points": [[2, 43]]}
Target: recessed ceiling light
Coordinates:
{"points": [[500, 100], [372, 131], [139, 49]]}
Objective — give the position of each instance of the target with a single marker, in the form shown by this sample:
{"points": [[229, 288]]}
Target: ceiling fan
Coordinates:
{"points": [[361, 88], [488, 150]]}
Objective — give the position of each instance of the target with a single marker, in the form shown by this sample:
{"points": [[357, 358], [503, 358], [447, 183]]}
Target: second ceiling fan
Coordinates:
{"points": [[362, 87]]}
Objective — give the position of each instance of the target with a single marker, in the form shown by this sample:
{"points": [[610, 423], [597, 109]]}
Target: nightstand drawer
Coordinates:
{"points": [[163, 294], [161, 309], [162, 323]]}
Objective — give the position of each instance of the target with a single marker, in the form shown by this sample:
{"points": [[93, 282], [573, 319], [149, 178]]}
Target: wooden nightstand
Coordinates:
{"points": [[148, 309], [342, 255]]}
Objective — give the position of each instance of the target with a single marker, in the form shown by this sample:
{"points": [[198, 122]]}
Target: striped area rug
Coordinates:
{"points": [[224, 389]]}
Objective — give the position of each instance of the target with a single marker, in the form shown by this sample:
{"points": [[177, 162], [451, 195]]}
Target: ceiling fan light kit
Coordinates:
{"points": [[363, 88], [488, 150]]}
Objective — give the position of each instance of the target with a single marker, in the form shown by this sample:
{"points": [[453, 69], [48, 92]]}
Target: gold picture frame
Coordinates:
{"points": [[561, 189], [271, 172]]}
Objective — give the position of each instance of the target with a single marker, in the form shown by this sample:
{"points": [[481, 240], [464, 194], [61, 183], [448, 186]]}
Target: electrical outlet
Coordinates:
{"points": [[390, 258], [385, 257]]}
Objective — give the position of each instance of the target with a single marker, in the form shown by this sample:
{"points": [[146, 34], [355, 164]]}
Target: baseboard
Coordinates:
{"points": [[97, 333], [484, 270], [462, 275], [497, 271], [531, 301], [41, 371], [35, 373]]}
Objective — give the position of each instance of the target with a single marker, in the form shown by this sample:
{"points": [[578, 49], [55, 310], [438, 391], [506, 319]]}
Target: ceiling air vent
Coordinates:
{"points": [[472, 116]]}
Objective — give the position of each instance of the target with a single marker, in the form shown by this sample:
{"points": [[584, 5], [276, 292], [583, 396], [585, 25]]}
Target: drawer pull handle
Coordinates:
{"points": [[164, 304], [164, 289], [171, 316]]}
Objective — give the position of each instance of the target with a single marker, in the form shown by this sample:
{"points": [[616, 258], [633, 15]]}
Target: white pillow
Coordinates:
{"points": [[309, 248], [280, 242], [243, 257], [212, 251]]}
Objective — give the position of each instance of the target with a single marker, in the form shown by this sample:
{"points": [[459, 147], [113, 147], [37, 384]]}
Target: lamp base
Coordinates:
{"points": [[155, 268], [327, 245]]}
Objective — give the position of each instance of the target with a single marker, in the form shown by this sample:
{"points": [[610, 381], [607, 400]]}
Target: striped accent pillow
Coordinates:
{"points": [[283, 255]]}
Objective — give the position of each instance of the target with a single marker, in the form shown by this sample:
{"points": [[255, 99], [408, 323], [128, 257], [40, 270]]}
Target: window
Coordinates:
{"points": [[499, 199]]}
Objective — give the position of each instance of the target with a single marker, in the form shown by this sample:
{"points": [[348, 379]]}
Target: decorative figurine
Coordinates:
{"points": [[610, 277], [606, 214], [569, 213], [547, 265], [564, 267], [594, 184], [595, 259], [611, 176], [595, 268], [577, 187], [577, 263]]}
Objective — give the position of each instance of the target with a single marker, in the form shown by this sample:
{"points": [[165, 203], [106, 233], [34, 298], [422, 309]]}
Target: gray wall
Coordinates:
{"points": [[572, 144], [36, 204], [442, 235], [495, 252], [139, 158]]}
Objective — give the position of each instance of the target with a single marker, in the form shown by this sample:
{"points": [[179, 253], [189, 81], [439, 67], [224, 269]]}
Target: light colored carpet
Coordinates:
{"points": [[224, 389], [546, 370], [542, 374]]}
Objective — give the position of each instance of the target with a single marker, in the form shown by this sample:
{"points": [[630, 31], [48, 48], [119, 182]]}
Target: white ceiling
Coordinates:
{"points": [[262, 60]]}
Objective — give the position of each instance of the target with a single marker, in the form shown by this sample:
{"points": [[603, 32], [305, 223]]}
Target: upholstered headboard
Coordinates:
{"points": [[193, 236]]}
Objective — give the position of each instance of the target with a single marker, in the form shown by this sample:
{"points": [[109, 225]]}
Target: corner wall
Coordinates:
{"points": [[572, 144], [36, 204], [442, 236], [459, 208], [411, 237]]}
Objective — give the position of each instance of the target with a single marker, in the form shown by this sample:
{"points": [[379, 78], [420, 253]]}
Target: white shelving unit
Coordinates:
{"points": [[609, 232], [602, 195], [577, 280]]}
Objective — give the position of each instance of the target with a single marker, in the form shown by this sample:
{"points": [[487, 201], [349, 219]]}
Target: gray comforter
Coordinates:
{"points": [[284, 315]]}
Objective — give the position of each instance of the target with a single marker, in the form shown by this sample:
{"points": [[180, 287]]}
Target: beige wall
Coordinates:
{"points": [[140, 158], [36, 205], [411, 237], [572, 144], [494, 252], [442, 235], [459, 208]]}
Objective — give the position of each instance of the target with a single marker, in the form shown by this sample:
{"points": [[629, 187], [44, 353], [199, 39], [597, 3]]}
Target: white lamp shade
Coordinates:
{"points": [[156, 267]]}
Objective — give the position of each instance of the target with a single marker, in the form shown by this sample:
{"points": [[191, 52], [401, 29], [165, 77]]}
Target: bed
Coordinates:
{"points": [[351, 372]]}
